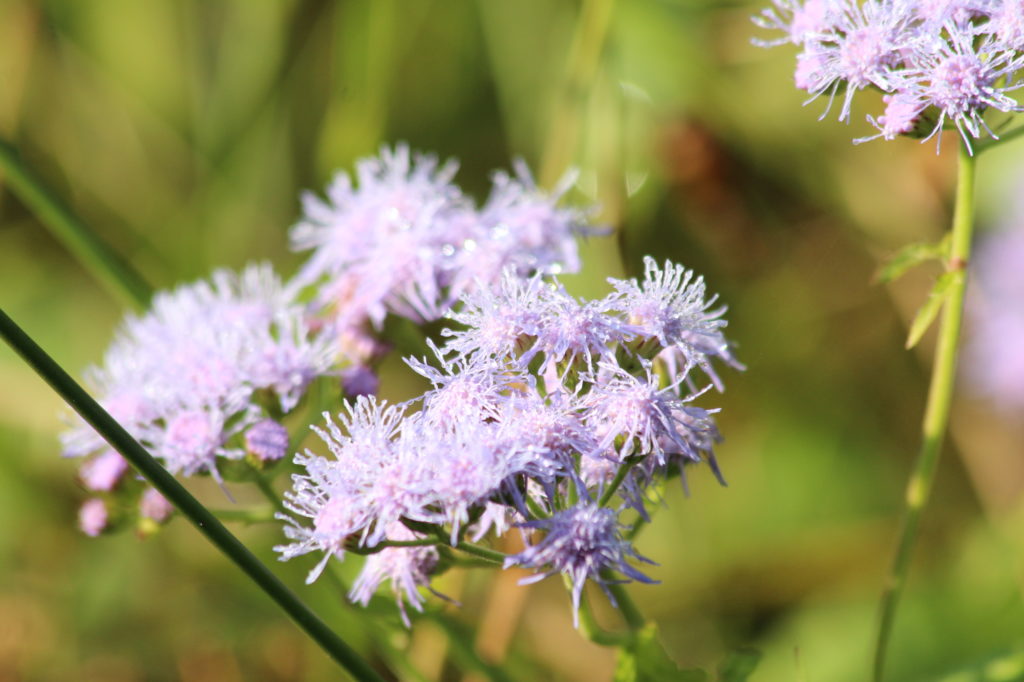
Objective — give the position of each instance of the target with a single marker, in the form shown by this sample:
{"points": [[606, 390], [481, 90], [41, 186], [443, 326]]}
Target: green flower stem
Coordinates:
{"points": [[940, 398], [620, 476], [200, 516], [634, 618], [590, 629], [89, 249], [535, 508], [247, 516], [268, 491], [481, 552]]}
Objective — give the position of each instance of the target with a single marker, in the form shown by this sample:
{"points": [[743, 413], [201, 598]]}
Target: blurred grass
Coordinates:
{"points": [[184, 132]]}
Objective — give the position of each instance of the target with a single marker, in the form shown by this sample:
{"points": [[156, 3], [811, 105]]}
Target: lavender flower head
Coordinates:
{"points": [[402, 239], [547, 413], [583, 543], [940, 63], [189, 378]]}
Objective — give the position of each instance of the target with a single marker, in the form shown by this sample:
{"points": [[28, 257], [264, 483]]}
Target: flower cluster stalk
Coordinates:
{"points": [[83, 243], [940, 397], [200, 516]]}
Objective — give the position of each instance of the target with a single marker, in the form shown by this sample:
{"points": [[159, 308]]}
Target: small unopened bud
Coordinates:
{"points": [[359, 380], [93, 517], [267, 440], [103, 472], [154, 506]]}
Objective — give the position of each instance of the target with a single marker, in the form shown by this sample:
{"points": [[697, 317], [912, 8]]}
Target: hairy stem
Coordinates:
{"points": [[75, 235], [940, 398], [200, 516]]}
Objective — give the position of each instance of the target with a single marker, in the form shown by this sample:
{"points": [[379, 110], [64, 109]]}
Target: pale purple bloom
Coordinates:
{"points": [[862, 48], [798, 19], [104, 471], [183, 378], [938, 61], [501, 320], [580, 543], [378, 241], [378, 476], [93, 517], [670, 307], [1007, 23], [463, 390], [644, 419], [548, 432], [524, 228], [267, 440], [573, 333], [402, 239], [154, 506], [962, 80], [407, 568], [359, 380]]}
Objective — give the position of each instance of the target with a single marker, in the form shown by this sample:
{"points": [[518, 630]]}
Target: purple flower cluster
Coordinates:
{"points": [[203, 376], [938, 62], [544, 410], [401, 238]]}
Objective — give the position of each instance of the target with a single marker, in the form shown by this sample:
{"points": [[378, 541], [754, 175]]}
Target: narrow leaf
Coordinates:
{"points": [[739, 665], [644, 659], [910, 256], [930, 310]]}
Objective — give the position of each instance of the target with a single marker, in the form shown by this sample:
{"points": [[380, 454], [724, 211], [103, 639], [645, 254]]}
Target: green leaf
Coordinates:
{"points": [[930, 310], [644, 660], [738, 665], [910, 256]]}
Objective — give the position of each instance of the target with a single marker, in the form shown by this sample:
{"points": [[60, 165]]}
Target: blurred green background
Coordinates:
{"points": [[184, 131]]}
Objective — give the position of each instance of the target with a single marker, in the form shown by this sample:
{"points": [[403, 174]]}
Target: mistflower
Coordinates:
{"points": [[583, 543], [375, 478], [407, 568], [104, 471], [526, 229], [671, 307], [192, 374], [463, 390], [402, 239], [154, 506], [267, 440], [541, 403], [93, 517], [632, 415], [400, 212], [938, 62], [501, 321]]}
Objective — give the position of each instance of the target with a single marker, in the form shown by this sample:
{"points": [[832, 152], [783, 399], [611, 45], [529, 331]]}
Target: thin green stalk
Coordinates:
{"points": [[482, 552], [940, 398], [200, 516], [82, 242], [268, 490], [620, 476], [634, 618], [247, 516], [590, 628]]}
